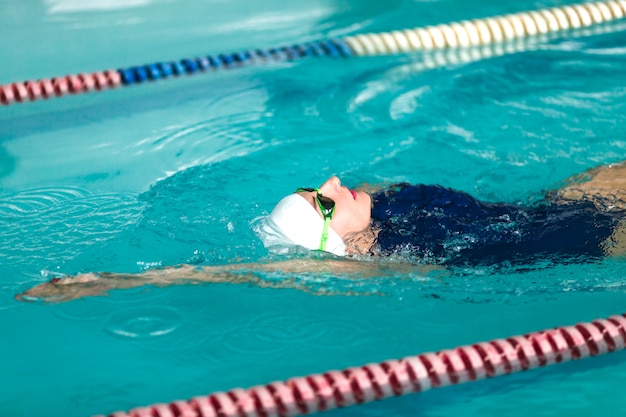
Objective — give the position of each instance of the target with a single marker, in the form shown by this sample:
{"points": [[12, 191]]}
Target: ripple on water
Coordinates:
{"points": [[143, 322], [281, 332], [55, 224], [82, 311], [192, 344], [39, 198], [166, 330], [337, 333], [226, 126]]}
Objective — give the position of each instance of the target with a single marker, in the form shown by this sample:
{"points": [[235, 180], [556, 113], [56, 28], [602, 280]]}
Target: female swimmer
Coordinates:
{"points": [[426, 226]]}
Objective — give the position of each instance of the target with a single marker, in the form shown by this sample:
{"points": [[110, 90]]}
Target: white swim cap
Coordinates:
{"points": [[295, 222]]}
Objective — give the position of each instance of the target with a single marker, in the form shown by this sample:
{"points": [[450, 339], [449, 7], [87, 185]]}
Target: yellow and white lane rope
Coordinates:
{"points": [[481, 32]]}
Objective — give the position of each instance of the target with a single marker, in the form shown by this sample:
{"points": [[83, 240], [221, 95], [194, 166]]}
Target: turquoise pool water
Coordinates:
{"points": [[175, 172]]}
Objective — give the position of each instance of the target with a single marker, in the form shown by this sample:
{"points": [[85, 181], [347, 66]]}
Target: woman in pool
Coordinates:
{"points": [[424, 226]]}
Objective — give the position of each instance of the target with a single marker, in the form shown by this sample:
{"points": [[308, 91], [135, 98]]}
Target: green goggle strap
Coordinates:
{"points": [[328, 214], [325, 230]]}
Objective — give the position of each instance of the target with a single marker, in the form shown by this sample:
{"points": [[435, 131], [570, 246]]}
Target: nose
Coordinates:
{"points": [[333, 183]]}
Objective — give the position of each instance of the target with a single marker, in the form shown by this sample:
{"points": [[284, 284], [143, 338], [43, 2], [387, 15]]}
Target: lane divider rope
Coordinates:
{"points": [[477, 32], [489, 30], [18, 92], [357, 385], [437, 58]]}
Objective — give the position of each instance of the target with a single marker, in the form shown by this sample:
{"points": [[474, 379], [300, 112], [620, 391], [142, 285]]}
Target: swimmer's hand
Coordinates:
{"points": [[72, 287]]}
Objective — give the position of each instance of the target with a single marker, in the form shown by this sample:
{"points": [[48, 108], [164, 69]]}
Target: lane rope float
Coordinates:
{"points": [[358, 385], [464, 34], [455, 56], [489, 30]]}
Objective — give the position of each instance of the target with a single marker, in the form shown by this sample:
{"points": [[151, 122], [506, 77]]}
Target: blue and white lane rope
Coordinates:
{"points": [[464, 34]]}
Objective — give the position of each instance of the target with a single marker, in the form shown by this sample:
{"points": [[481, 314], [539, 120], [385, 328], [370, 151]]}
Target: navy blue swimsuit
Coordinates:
{"points": [[433, 224]]}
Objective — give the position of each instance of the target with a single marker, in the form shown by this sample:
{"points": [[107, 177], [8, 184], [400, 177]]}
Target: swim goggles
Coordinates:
{"points": [[327, 207]]}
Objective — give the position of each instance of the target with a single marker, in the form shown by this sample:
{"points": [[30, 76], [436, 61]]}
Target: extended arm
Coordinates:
{"points": [[72, 287]]}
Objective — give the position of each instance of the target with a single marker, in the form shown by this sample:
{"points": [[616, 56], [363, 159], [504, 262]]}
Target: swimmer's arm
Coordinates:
{"points": [[89, 284], [605, 186], [615, 245]]}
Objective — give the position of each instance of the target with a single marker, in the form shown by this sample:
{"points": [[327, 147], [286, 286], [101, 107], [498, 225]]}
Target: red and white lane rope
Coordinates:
{"points": [[59, 86], [358, 385]]}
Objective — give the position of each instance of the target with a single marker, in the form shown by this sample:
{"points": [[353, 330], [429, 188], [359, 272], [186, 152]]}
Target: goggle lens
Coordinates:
{"points": [[327, 207]]}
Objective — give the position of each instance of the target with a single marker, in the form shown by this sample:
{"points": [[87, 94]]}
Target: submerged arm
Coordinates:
{"points": [[605, 186], [77, 286]]}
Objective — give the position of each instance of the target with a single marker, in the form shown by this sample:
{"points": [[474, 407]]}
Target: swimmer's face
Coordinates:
{"points": [[352, 208]]}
